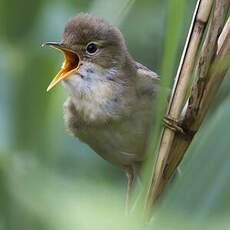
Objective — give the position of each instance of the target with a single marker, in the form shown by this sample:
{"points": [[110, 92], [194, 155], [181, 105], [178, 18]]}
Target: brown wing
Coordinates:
{"points": [[147, 80]]}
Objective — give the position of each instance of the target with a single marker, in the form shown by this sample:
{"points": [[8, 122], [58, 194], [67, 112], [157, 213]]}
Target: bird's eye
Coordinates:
{"points": [[91, 48]]}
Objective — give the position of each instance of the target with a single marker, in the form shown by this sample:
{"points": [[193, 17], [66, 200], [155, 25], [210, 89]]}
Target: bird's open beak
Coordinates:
{"points": [[70, 64]]}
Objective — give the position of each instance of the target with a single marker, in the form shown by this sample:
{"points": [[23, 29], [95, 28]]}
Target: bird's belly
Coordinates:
{"points": [[122, 144]]}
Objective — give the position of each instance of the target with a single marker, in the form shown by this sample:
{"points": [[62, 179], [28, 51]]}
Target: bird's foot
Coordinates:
{"points": [[173, 124]]}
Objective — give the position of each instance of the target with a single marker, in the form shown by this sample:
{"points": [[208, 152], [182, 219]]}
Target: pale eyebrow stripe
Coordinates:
{"points": [[79, 46]]}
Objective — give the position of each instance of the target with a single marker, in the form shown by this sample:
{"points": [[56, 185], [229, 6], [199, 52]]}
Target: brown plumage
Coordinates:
{"points": [[111, 101]]}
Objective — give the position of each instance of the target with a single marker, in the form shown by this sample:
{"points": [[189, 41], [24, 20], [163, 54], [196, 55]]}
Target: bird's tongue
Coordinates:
{"points": [[70, 65]]}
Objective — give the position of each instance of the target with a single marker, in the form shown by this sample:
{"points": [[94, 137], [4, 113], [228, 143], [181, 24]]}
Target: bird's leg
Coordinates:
{"points": [[130, 176]]}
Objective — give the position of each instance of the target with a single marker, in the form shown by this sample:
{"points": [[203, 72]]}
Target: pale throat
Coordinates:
{"points": [[93, 91]]}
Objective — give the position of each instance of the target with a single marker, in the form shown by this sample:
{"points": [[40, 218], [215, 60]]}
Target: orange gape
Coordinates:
{"points": [[70, 64]]}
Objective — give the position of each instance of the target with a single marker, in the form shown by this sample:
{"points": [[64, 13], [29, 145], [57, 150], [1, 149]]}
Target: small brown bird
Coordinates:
{"points": [[111, 103]]}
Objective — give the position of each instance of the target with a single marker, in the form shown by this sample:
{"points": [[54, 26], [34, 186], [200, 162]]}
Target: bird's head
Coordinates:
{"points": [[94, 51]]}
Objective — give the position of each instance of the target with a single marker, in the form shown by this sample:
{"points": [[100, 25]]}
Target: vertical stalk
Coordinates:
{"points": [[200, 18]]}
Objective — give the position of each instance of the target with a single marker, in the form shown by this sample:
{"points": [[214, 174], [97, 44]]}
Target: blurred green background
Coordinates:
{"points": [[49, 180]]}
